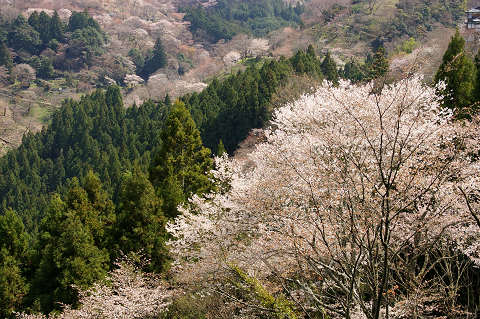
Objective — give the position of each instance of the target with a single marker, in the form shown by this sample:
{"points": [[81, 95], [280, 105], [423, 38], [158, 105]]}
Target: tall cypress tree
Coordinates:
{"points": [[352, 71], [56, 28], [34, 20], [44, 27], [5, 56], [311, 51], [378, 65], [167, 101], [458, 72], [13, 255], [140, 223], [157, 60], [72, 244], [329, 69], [182, 165]]}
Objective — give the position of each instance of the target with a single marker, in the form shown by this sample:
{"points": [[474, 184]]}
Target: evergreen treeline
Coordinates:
{"points": [[460, 75], [226, 111], [96, 132], [90, 192], [228, 18]]}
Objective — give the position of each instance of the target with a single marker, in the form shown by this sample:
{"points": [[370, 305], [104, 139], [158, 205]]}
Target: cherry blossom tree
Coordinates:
{"points": [[345, 207], [126, 293]]}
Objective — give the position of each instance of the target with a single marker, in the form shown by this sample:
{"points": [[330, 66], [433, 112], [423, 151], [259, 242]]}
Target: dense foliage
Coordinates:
{"points": [[72, 247], [227, 110], [369, 20], [149, 64], [13, 253], [459, 74], [77, 41], [415, 18], [96, 132], [228, 18], [83, 188], [181, 165]]}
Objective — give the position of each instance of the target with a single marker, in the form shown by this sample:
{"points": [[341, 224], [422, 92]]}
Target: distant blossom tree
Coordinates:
{"points": [[126, 293], [349, 196], [24, 74]]}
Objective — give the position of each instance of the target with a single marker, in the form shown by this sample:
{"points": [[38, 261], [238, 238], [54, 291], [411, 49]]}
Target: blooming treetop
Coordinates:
{"points": [[346, 182], [127, 293]]}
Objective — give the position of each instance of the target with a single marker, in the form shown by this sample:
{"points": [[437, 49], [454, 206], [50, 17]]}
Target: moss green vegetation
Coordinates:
{"points": [[279, 306]]}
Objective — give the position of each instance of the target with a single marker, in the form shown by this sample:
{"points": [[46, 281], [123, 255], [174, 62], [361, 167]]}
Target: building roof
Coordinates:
{"points": [[474, 10]]}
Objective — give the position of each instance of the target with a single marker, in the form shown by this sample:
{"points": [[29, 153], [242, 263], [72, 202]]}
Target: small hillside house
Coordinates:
{"points": [[473, 18]]}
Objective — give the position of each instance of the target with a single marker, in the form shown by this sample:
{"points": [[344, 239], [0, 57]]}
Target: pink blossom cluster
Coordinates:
{"points": [[348, 181], [126, 293]]}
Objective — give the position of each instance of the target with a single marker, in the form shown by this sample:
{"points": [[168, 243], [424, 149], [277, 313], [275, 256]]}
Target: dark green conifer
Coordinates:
{"points": [[13, 255], [311, 51], [140, 226], [159, 56], [44, 27], [167, 101], [56, 28], [34, 20], [23, 36], [72, 244], [353, 71], [43, 67], [157, 60], [182, 165], [458, 72], [113, 96], [329, 69], [5, 56], [379, 63]]}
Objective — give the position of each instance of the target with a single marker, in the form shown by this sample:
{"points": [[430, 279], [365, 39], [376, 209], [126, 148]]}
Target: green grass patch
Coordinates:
{"points": [[41, 113]]}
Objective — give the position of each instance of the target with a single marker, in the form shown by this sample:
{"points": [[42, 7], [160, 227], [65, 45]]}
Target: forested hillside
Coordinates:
{"points": [[332, 183], [90, 192], [361, 199], [154, 48], [97, 133], [70, 46], [227, 18], [130, 168]]}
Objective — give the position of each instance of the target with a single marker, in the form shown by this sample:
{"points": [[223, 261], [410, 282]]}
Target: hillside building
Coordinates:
{"points": [[473, 18]]}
